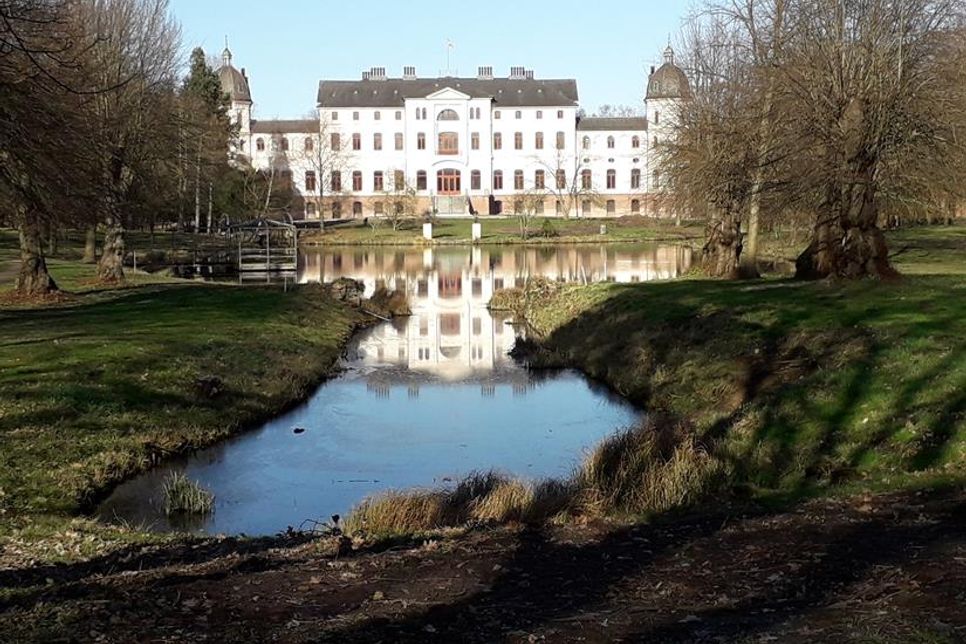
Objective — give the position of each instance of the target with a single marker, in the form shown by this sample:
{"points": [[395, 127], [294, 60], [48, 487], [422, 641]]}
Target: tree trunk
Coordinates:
{"points": [[847, 242], [33, 279], [210, 210], [90, 245], [198, 190], [721, 254], [111, 267]]}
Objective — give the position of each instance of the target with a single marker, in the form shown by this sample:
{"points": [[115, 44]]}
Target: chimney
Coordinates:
{"points": [[517, 73], [529, 74], [409, 73], [366, 76], [484, 73], [377, 73], [652, 70]]}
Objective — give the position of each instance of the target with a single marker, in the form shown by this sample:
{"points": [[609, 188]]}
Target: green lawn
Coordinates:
{"points": [[797, 387], [507, 231], [103, 384]]}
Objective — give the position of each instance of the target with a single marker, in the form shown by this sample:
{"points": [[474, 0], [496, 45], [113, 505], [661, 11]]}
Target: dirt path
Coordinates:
{"points": [[884, 569]]}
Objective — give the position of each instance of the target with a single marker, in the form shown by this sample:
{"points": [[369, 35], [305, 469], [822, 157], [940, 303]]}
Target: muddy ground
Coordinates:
{"points": [[871, 569]]}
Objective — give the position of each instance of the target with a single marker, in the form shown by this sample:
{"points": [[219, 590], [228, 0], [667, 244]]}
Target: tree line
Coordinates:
{"points": [[99, 131], [845, 114]]}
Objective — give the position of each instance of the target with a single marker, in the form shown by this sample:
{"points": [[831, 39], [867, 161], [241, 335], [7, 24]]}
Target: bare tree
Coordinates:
{"points": [[327, 154], [401, 200], [527, 204], [569, 181]]}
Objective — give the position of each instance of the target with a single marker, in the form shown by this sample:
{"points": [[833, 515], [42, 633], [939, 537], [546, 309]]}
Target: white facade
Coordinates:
{"points": [[461, 146]]}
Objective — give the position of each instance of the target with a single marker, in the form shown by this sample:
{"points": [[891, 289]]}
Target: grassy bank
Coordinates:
{"points": [[108, 382], [507, 231], [773, 390]]}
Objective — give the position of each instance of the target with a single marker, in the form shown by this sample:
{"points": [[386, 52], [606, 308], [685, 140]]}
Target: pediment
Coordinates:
{"points": [[448, 94]]}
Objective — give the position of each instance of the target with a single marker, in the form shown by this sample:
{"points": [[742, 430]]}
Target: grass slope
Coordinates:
{"points": [[797, 386]]}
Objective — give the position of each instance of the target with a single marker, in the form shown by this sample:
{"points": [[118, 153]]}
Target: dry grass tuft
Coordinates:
{"points": [[181, 495]]}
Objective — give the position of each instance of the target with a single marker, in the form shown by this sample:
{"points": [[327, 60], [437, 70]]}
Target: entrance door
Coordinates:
{"points": [[448, 182]]}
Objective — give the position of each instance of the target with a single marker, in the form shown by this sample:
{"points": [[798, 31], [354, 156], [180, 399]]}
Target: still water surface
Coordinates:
{"points": [[422, 402]]}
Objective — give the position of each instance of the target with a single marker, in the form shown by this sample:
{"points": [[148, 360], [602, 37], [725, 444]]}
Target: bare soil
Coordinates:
{"points": [[888, 568]]}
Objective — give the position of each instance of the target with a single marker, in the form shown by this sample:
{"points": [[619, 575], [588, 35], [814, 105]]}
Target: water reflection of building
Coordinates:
{"points": [[451, 333]]}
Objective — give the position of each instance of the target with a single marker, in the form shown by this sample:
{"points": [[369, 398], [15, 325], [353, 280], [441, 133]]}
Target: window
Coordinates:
{"points": [[497, 141], [424, 113], [310, 184], [611, 179], [335, 181], [336, 209], [421, 180], [538, 140], [475, 141], [636, 142], [398, 180], [496, 115], [308, 144], [310, 210], [586, 179], [539, 114], [448, 115], [286, 179], [561, 140], [398, 115], [260, 144], [356, 141], [585, 206], [539, 180], [657, 118], [476, 180], [335, 141], [561, 179], [559, 207], [538, 208], [378, 208], [448, 143], [610, 143], [448, 182], [418, 114], [378, 184], [518, 179], [635, 206], [518, 141], [421, 141], [586, 142], [560, 114], [611, 207], [357, 181], [356, 208], [518, 115], [284, 144], [518, 207], [498, 179], [335, 116], [355, 116], [377, 141], [378, 115], [657, 179], [399, 140], [635, 179]]}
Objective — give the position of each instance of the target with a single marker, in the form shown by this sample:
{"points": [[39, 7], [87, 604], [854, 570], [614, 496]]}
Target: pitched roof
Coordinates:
{"points": [[393, 92], [593, 123], [306, 126]]}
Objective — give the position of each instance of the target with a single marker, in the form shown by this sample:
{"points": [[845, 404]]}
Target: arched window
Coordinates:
{"points": [[518, 141], [586, 142], [538, 140], [635, 206], [448, 182], [310, 181], [657, 179], [611, 179], [284, 144], [497, 141], [561, 140], [336, 209], [260, 144], [611, 207], [636, 142], [586, 179], [635, 179], [539, 180], [498, 179], [610, 142], [308, 144], [421, 180], [356, 208], [518, 179], [357, 181], [476, 180], [310, 210], [448, 115], [561, 179]]}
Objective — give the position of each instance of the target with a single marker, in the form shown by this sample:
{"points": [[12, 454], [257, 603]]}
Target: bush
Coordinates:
{"points": [[181, 495], [548, 230]]}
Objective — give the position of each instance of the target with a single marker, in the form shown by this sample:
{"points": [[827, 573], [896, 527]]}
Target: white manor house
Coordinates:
{"points": [[459, 146]]}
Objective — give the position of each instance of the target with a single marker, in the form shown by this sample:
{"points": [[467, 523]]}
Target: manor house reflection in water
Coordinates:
{"points": [[451, 334]]}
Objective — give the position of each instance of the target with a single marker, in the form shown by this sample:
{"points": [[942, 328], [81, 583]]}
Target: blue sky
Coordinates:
{"points": [[287, 46]]}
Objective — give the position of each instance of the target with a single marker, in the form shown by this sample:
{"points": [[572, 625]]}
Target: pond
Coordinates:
{"points": [[422, 401]]}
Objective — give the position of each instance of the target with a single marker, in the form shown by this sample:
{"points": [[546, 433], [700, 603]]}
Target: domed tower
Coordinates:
{"points": [[235, 84], [667, 87]]}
